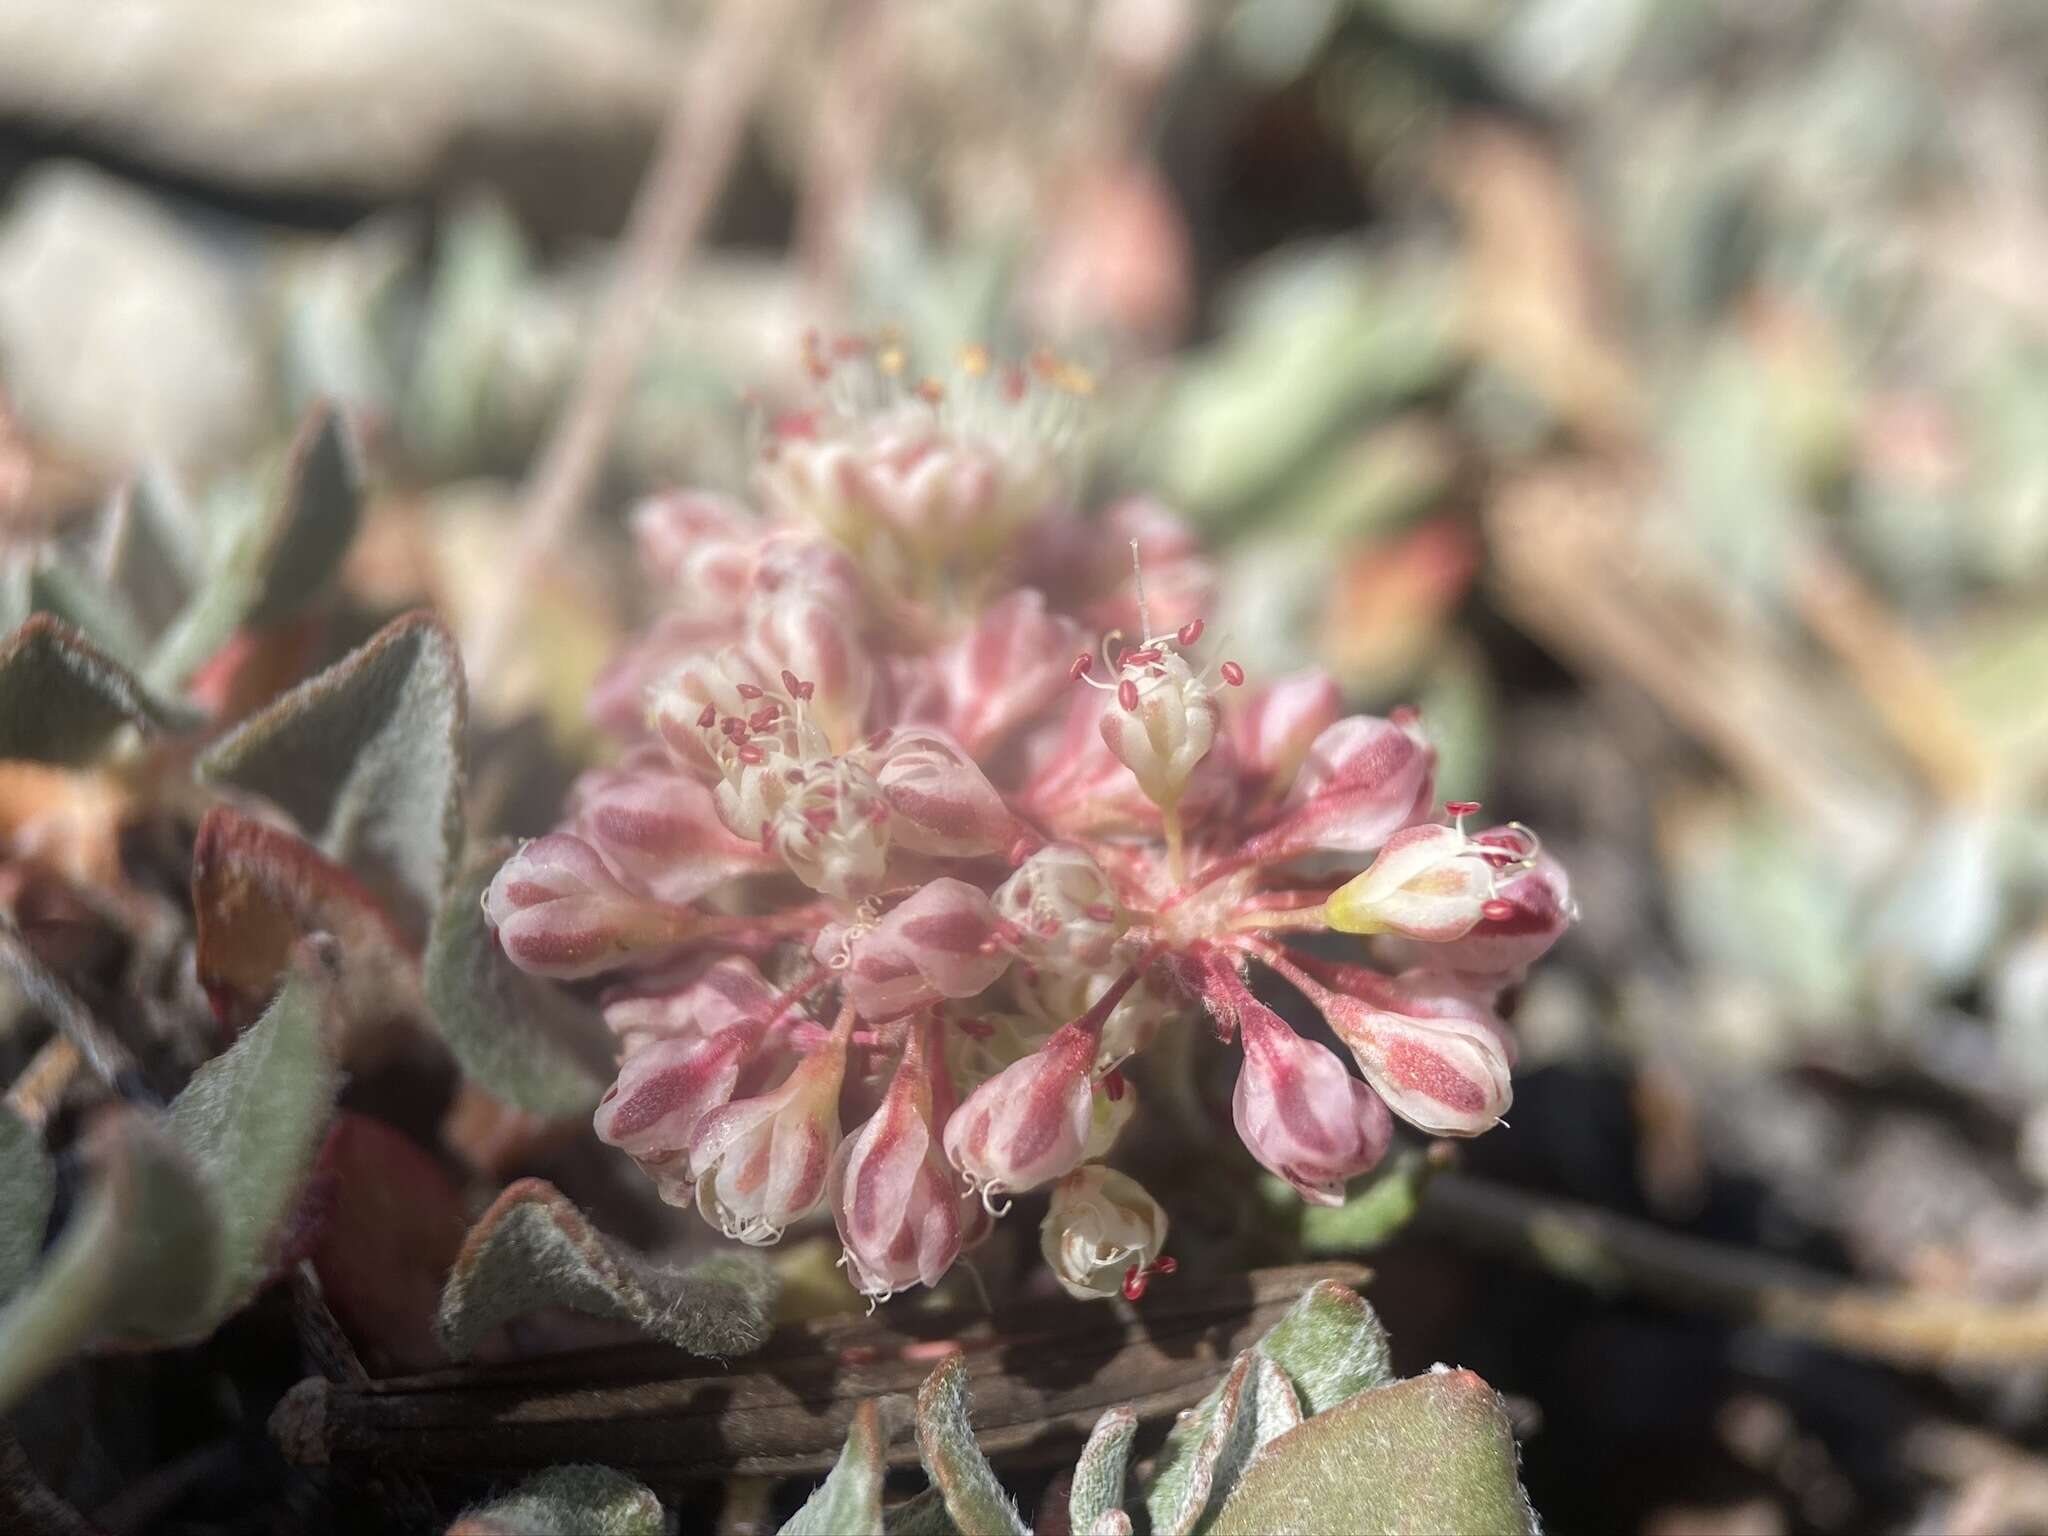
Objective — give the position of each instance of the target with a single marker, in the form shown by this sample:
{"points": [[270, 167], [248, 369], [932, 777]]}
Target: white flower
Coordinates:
{"points": [[1101, 1226]]}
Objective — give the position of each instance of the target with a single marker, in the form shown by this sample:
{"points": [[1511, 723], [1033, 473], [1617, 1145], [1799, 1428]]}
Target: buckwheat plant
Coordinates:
{"points": [[954, 766]]}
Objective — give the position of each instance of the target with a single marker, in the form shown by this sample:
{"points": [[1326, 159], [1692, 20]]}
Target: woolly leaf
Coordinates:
{"points": [[1098, 1488], [1434, 1453], [849, 1501], [1216, 1431], [1111, 1522], [527, 1042], [257, 890], [62, 698], [28, 1184], [367, 757], [253, 1118], [1373, 1213], [74, 595], [924, 1515], [579, 1500], [1331, 1345], [945, 1440], [534, 1249], [145, 554], [139, 1261]]}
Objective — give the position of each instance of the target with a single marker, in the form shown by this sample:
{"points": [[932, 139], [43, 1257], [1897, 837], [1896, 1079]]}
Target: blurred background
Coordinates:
{"points": [[1653, 391]]}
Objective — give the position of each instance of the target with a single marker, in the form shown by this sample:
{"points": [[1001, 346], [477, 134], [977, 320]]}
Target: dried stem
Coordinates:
{"points": [[1599, 1249], [698, 144]]}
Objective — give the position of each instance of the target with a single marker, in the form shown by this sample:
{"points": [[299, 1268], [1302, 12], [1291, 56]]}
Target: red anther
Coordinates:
{"points": [[879, 739], [734, 727], [1461, 807], [1123, 654], [794, 775], [1134, 1284], [1233, 674], [1143, 658], [1165, 1264], [1127, 695], [1497, 911], [708, 717], [791, 684], [1189, 633], [805, 691], [1083, 664], [763, 717], [1404, 714], [1113, 1084], [1100, 912], [975, 1029], [751, 754], [1021, 850], [748, 690]]}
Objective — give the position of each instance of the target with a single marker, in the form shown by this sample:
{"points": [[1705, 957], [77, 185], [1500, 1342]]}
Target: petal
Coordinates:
{"points": [[1359, 784], [940, 802]]}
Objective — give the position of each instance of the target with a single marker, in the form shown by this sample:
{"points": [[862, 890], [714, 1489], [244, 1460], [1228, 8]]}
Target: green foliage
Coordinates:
{"points": [[533, 1249], [28, 1185], [62, 699], [529, 1043], [945, 1440], [368, 758], [849, 1501], [1099, 1475], [577, 1500]]}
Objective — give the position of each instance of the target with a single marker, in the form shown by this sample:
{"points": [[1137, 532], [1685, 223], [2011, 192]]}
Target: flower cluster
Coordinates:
{"points": [[898, 867]]}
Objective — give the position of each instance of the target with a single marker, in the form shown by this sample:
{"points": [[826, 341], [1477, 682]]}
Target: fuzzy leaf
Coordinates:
{"points": [[1373, 1213], [28, 1184], [73, 594], [1331, 1345], [526, 1041], [62, 698], [285, 550], [533, 1249], [145, 554], [1434, 1453], [367, 757], [581, 1500], [924, 1515], [257, 890], [139, 1260], [253, 1118], [849, 1501], [945, 1440], [1216, 1431], [1111, 1522], [1098, 1488]]}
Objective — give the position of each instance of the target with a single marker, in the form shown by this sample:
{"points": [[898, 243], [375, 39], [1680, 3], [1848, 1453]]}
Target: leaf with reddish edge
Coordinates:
{"points": [[533, 1249], [1433, 1453], [849, 1501], [62, 698], [945, 1441], [1363, 780], [393, 1225], [1098, 1486], [257, 890], [368, 758], [576, 1500]]}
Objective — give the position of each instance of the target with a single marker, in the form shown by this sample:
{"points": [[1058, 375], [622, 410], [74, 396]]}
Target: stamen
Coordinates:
{"points": [[1190, 632], [1497, 911], [708, 717], [749, 690], [1127, 695], [1113, 1084], [1083, 665], [1134, 1284], [1233, 674]]}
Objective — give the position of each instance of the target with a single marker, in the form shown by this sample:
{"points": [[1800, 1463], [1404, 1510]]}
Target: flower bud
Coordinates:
{"points": [[685, 708], [1005, 670], [720, 995], [1101, 1224], [559, 912], [1363, 780], [1302, 1114], [1079, 788], [761, 1163], [1064, 909], [1429, 883], [1030, 1122], [701, 547], [894, 1197], [1431, 1048], [810, 636], [939, 943], [1529, 911], [660, 829], [832, 829], [1278, 723], [1162, 724], [940, 802], [663, 1090]]}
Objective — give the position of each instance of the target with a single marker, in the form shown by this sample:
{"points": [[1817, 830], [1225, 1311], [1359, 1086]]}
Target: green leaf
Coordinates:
{"points": [[62, 699], [75, 595], [1099, 1475], [317, 513], [140, 1259], [1216, 1431], [252, 1120], [533, 1249], [1371, 1214], [924, 1515], [1331, 1345], [578, 1500], [1434, 1453], [146, 555], [849, 1501], [367, 757], [28, 1184], [529, 1043], [945, 1440]]}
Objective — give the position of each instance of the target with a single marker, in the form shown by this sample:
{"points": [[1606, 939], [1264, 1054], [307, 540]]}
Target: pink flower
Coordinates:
{"points": [[1302, 1114], [1429, 883], [1529, 911], [1163, 722], [664, 1090], [1278, 723], [941, 803], [660, 830], [1029, 1123], [761, 1163], [711, 998], [940, 943], [1363, 780], [895, 1198], [559, 912]]}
